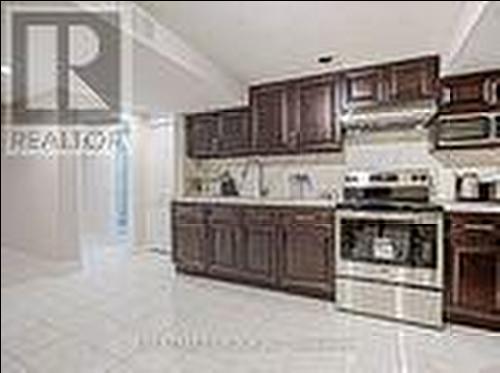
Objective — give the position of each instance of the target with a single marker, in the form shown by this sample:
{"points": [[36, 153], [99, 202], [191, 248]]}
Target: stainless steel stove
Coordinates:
{"points": [[389, 255]]}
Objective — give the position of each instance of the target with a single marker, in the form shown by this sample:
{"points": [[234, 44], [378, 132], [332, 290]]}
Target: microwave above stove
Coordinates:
{"points": [[467, 130]]}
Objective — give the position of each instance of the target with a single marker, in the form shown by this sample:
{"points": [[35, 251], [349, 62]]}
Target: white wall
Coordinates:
{"points": [[153, 183], [38, 205]]}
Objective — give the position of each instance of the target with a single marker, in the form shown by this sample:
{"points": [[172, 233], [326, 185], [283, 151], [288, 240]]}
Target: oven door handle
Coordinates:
{"points": [[400, 217], [479, 227]]}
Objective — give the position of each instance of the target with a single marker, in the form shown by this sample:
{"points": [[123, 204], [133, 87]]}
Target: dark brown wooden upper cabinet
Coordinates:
{"points": [[235, 132], [269, 113], [317, 121], [413, 80], [390, 84], [362, 88], [202, 135], [467, 93]]}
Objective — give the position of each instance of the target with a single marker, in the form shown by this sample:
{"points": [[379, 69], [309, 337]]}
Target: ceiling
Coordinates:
{"points": [[259, 41], [480, 49]]}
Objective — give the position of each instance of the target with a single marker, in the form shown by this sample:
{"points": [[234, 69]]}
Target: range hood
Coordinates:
{"points": [[398, 117]]}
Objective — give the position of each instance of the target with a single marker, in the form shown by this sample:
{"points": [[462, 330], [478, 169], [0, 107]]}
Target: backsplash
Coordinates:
{"points": [[325, 171]]}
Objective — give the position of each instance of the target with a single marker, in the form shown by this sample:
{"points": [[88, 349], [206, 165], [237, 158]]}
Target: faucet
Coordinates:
{"points": [[262, 190]]}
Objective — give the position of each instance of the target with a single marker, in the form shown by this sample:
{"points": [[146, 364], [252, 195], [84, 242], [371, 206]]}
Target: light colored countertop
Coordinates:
{"points": [[259, 201], [451, 206], [480, 207]]}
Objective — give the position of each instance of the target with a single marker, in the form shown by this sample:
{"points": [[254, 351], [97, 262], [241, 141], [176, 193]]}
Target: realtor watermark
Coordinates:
{"points": [[56, 140], [65, 83]]}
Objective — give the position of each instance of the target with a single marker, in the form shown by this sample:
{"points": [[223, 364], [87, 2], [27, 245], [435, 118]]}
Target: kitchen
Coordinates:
{"points": [[308, 187], [372, 159]]}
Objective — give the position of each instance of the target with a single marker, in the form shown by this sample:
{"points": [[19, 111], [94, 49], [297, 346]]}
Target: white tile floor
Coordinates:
{"points": [[136, 315]]}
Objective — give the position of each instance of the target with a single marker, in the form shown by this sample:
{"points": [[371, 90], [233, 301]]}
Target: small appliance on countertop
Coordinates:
{"points": [[492, 185], [228, 185], [472, 187], [467, 187]]}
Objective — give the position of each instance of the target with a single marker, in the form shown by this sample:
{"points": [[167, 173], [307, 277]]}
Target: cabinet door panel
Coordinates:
{"points": [[269, 114], [362, 88], [469, 93], [225, 258], [190, 246], [473, 269], [259, 259], [413, 80], [202, 135], [306, 259], [317, 119], [235, 132]]}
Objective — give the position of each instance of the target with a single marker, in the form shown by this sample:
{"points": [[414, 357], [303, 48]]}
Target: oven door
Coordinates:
{"points": [[403, 247]]}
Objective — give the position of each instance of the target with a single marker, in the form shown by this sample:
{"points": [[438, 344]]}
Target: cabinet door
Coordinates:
{"points": [[225, 241], [318, 129], [202, 135], [269, 118], [413, 80], [362, 88], [474, 263], [466, 93], [225, 248], [189, 246], [306, 259], [235, 132], [259, 255]]}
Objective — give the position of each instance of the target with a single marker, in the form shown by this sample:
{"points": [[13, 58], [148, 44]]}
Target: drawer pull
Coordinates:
{"points": [[304, 218], [480, 227]]}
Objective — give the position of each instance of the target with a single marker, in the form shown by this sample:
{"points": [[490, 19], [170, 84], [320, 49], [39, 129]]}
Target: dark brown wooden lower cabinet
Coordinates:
{"points": [[264, 246], [306, 258], [259, 254], [473, 265], [224, 257], [190, 246]]}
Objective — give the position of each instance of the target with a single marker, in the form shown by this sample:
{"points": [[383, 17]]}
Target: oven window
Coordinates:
{"points": [[463, 129], [398, 243]]}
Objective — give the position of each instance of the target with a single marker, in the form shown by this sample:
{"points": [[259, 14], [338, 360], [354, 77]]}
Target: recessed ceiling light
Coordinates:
{"points": [[325, 59], [6, 70]]}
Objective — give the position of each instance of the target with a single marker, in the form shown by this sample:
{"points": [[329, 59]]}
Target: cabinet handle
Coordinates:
{"points": [[487, 91], [446, 95], [304, 218], [494, 94], [480, 227]]}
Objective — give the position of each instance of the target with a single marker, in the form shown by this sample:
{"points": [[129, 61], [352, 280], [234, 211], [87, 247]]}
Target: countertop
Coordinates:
{"points": [[259, 201], [480, 207], [451, 206]]}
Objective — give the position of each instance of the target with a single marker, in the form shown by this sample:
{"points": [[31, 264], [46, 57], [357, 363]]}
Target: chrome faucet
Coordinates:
{"points": [[262, 190]]}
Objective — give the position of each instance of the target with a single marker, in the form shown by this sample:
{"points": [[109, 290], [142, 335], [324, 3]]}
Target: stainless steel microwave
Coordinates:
{"points": [[454, 131]]}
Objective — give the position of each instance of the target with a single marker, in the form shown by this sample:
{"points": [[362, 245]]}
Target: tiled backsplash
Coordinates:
{"points": [[362, 151]]}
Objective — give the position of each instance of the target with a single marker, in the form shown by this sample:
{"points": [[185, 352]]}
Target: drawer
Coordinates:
{"points": [[187, 213], [262, 215], [224, 215], [309, 216], [476, 230]]}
